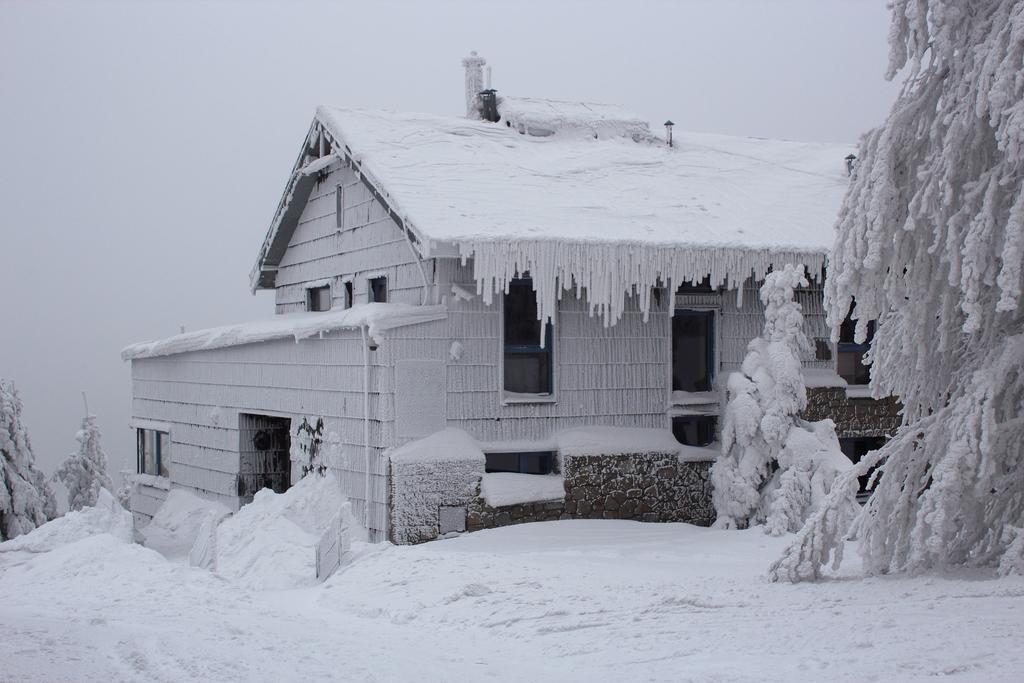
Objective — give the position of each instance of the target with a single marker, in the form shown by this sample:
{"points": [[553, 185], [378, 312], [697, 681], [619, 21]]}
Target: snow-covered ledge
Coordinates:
{"points": [[150, 480]]}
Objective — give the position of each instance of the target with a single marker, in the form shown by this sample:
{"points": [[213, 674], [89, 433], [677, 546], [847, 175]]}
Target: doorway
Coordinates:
{"points": [[264, 447]]}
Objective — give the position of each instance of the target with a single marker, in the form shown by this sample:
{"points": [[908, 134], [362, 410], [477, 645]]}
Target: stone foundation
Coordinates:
{"points": [[649, 487], [853, 416], [483, 516]]}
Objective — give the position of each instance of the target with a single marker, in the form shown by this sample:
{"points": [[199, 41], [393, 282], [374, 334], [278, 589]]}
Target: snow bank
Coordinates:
{"points": [[106, 517], [377, 317], [271, 543], [177, 522], [615, 441], [499, 489]]}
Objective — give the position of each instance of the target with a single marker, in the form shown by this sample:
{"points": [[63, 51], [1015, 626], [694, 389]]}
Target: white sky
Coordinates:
{"points": [[144, 146]]}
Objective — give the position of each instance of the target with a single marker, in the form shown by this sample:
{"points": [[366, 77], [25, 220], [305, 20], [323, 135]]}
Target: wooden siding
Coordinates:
{"points": [[619, 376], [368, 244], [201, 394]]}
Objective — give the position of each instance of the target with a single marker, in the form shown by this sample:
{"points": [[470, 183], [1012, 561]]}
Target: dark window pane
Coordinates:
{"points": [[164, 448], [692, 350], [532, 462], [702, 287], [378, 290], [528, 373], [849, 327], [822, 349], [695, 430], [348, 294], [850, 364], [319, 299], [521, 325]]}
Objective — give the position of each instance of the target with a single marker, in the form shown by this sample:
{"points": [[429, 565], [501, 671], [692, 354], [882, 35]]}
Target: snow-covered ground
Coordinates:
{"points": [[574, 600]]}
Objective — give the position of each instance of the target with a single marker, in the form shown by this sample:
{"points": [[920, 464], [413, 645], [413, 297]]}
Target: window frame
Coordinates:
{"points": [[311, 296], [513, 398], [162, 468], [370, 296], [714, 350]]}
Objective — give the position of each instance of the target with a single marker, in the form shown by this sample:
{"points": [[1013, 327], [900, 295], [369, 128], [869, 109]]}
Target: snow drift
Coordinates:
{"points": [[177, 523], [272, 542], [106, 517]]}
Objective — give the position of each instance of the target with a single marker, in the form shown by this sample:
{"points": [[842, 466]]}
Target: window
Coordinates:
{"points": [[850, 362], [856, 448], [528, 363], [339, 207], [530, 462], [695, 430], [154, 452], [318, 299], [693, 350], [377, 288], [348, 294], [702, 287]]}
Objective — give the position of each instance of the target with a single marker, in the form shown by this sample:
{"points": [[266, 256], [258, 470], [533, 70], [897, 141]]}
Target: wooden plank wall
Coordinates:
{"points": [[200, 395], [616, 376], [368, 244]]}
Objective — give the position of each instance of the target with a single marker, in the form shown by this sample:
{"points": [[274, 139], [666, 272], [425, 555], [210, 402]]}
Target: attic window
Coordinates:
{"points": [[528, 364], [377, 288], [318, 298]]}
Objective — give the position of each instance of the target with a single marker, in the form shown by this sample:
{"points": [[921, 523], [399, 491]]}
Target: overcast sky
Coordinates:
{"points": [[144, 146]]}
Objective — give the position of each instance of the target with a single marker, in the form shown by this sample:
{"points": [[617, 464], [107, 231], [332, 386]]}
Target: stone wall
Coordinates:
{"points": [[650, 487], [483, 516], [853, 416]]}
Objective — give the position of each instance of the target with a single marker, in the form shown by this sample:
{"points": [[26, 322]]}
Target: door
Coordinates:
{"points": [[264, 454]]}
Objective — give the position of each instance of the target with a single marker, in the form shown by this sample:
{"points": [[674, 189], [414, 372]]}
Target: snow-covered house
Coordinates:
{"points": [[522, 314]]}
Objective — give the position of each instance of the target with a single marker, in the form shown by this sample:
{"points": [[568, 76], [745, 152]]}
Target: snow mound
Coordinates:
{"points": [[447, 445], [511, 488], [106, 517], [271, 543], [615, 441], [177, 523]]}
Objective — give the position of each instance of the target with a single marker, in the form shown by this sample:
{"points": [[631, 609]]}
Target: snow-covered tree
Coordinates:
{"points": [[775, 467], [84, 473], [930, 243], [26, 500]]}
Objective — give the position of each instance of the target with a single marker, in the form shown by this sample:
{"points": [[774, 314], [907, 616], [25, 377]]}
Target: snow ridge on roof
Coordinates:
{"points": [[377, 317], [541, 118]]}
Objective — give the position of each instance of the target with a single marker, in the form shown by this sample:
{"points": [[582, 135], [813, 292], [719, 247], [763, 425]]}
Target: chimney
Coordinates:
{"points": [[474, 66]]}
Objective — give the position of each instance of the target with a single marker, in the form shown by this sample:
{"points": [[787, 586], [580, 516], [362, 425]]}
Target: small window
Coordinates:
{"points": [[695, 430], [528, 365], [339, 207], [850, 362], [822, 349], [378, 289], [693, 350], [318, 299], [527, 462], [856, 448], [348, 294], [154, 452]]}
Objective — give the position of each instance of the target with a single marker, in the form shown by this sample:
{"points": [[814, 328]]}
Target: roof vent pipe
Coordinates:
{"points": [[474, 66], [851, 164], [668, 131]]}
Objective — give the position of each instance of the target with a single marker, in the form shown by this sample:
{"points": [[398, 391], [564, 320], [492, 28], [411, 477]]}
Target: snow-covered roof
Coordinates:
{"points": [[612, 213], [376, 317]]}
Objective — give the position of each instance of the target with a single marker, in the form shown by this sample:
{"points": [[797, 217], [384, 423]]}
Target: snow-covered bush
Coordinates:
{"points": [[84, 473], [775, 467], [26, 500], [930, 243]]}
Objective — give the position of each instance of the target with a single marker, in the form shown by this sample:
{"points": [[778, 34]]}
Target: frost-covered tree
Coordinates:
{"points": [[930, 243], [26, 500], [775, 467], [84, 473]]}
